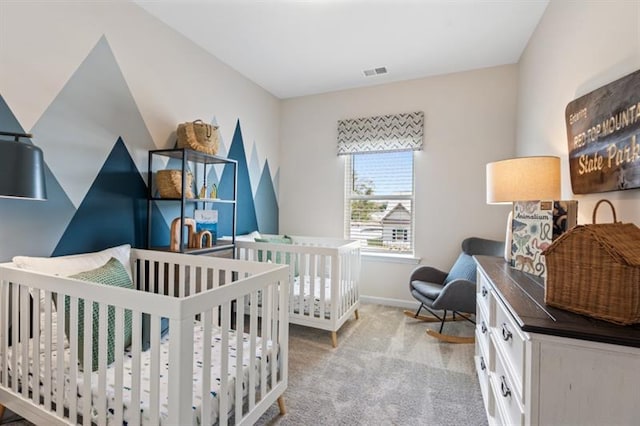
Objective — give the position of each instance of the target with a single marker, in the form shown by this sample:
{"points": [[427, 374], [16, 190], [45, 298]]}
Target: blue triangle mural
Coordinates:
{"points": [[266, 203], [114, 211], [32, 227], [246, 221]]}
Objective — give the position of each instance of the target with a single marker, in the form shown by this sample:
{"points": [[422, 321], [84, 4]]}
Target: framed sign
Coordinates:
{"points": [[603, 132]]}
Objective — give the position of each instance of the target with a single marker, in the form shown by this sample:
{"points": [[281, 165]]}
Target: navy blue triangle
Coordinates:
{"points": [[246, 212], [114, 211], [266, 203]]}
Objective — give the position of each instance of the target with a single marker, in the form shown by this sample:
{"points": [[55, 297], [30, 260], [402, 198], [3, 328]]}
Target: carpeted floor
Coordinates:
{"points": [[385, 371]]}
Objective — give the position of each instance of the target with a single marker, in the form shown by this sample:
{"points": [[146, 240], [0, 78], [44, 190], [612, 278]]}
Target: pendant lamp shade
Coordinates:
{"points": [[21, 169]]}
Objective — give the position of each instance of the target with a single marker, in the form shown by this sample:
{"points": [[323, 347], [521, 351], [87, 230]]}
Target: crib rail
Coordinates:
{"points": [[201, 299], [324, 277]]}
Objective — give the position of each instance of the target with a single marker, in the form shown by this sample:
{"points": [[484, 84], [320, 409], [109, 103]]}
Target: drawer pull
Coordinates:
{"points": [[483, 366], [506, 334], [483, 327], [504, 388], [484, 291]]}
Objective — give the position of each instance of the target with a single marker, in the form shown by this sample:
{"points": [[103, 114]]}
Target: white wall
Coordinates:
{"points": [[577, 48], [171, 79], [469, 121]]}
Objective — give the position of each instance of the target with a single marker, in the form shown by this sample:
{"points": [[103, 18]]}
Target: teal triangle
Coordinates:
{"points": [[114, 210], [246, 212], [266, 203]]}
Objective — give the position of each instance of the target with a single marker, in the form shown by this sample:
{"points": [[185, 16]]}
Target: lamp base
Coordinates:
{"points": [[507, 238]]}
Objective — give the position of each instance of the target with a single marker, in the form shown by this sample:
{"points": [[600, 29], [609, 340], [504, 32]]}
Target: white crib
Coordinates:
{"points": [[180, 379], [327, 268]]}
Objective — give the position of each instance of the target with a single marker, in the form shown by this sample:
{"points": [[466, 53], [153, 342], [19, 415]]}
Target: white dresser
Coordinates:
{"points": [[543, 366]]}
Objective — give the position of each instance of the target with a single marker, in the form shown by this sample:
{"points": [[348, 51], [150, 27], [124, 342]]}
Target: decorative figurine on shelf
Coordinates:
{"points": [[176, 229], [214, 191], [203, 191]]}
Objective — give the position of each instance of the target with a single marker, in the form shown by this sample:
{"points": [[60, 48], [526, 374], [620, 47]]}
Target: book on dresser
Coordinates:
{"points": [[535, 225]]}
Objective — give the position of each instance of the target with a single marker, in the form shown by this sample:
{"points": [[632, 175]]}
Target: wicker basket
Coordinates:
{"points": [[199, 136], [169, 183], [594, 270]]}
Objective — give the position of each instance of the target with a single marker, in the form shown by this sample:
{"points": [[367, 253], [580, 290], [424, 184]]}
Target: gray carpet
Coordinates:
{"points": [[385, 371]]}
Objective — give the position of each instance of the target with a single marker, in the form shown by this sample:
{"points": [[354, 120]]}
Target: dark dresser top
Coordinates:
{"points": [[523, 294]]}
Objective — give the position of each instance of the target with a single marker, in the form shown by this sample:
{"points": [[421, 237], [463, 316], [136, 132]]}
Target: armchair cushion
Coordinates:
{"points": [[426, 289], [464, 268]]}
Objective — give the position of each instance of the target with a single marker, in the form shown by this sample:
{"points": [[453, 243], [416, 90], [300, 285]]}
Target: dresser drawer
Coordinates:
{"points": [[483, 291], [510, 343], [482, 367], [508, 405], [482, 328]]}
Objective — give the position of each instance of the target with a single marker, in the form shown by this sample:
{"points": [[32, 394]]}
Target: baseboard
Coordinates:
{"points": [[400, 303]]}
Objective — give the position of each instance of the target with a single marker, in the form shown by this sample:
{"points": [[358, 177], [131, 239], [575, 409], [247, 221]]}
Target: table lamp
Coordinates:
{"points": [[522, 179]]}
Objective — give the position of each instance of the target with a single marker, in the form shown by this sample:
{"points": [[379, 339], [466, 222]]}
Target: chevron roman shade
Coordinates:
{"points": [[385, 133]]}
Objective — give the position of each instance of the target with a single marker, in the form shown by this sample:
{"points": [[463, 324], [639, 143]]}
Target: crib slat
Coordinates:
{"points": [[162, 289], [15, 321], [192, 279], [47, 350], [154, 403], [87, 357], [102, 364], [266, 303], [119, 362], [323, 285], [172, 289], [24, 338], [152, 279], [136, 349], [36, 346], [239, 357], [73, 358], [4, 332], [223, 416], [206, 368], [253, 332], [274, 337], [181, 371], [61, 320], [313, 259]]}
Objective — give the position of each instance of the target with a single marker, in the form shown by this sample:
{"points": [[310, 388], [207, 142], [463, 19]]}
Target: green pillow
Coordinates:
{"points": [[112, 273], [277, 240]]}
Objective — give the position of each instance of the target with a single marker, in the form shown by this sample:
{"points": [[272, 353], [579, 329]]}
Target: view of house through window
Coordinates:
{"points": [[379, 201]]}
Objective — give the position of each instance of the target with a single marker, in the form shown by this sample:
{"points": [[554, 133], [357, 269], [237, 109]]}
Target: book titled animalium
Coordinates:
{"points": [[535, 225]]}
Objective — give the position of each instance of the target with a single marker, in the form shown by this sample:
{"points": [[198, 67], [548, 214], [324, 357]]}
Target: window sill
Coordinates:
{"points": [[390, 258]]}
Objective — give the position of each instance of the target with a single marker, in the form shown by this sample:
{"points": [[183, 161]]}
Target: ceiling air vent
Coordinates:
{"points": [[375, 71]]}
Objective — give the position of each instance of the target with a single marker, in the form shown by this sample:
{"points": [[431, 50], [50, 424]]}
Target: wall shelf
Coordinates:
{"points": [[190, 161]]}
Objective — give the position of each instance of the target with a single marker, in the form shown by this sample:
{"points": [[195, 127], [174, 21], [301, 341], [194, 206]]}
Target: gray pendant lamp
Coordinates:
{"points": [[21, 169]]}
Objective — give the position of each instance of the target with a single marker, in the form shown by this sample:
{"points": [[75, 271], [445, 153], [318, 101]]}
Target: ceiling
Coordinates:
{"points": [[300, 47]]}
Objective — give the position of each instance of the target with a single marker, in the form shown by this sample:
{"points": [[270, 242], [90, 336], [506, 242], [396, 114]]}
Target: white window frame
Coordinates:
{"points": [[351, 196]]}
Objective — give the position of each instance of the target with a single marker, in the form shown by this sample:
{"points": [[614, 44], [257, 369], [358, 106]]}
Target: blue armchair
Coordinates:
{"points": [[453, 291]]}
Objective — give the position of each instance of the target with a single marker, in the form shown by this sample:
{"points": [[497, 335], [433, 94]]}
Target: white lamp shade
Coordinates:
{"points": [[523, 179]]}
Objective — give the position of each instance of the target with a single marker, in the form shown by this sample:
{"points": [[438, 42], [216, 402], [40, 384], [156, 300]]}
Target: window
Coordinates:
{"points": [[379, 201], [378, 207]]}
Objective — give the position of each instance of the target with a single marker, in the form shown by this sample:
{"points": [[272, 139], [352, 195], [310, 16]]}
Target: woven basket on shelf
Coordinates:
{"points": [[169, 183], [594, 270], [198, 136]]}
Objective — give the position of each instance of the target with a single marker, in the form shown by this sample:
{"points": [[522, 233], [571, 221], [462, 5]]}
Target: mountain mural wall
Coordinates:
{"points": [[96, 145]]}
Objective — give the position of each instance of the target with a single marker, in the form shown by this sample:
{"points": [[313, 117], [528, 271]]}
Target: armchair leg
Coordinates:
{"points": [[444, 318]]}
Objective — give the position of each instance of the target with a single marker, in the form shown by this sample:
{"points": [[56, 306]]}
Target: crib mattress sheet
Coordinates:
{"points": [[145, 364]]}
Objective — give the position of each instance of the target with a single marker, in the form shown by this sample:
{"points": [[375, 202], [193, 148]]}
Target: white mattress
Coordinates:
{"points": [[164, 358]]}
